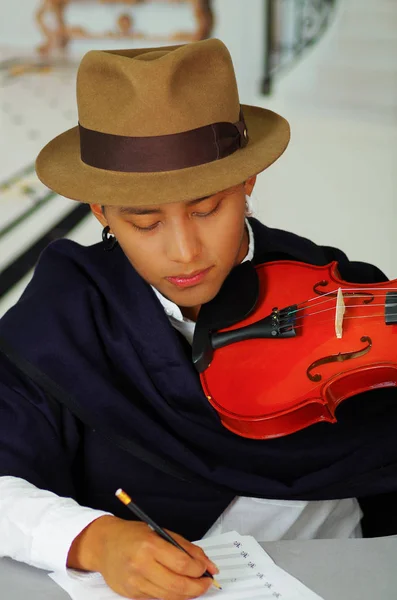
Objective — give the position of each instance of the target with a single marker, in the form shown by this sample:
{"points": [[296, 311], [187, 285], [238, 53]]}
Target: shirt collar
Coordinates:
{"points": [[172, 310]]}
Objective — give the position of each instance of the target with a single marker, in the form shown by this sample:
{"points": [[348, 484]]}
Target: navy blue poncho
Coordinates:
{"points": [[97, 332]]}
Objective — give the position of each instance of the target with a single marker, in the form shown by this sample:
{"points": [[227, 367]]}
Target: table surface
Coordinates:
{"points": [[354, 569]]}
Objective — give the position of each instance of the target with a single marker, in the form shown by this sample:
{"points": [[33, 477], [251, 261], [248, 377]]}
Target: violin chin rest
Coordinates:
{"points": [[234, 302]]}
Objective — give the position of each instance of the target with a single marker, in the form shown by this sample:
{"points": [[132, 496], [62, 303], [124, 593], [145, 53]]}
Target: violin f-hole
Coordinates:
{"points": [[323, 283], [340, 357]]}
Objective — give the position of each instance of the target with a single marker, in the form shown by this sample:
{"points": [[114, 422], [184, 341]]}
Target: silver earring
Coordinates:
{"points": [[248, 207]]}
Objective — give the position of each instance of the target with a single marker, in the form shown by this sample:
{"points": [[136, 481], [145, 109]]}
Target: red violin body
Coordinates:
{"points": [[276, 385]]}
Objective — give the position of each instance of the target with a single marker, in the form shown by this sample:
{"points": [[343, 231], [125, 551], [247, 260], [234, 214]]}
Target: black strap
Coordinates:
{"points": [[55, 392]]}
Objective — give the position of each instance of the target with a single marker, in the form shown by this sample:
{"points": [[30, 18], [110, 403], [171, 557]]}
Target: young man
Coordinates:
{"points": [[97, 386]]}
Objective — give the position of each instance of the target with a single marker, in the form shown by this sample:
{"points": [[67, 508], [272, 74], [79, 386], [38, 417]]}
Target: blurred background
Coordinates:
{"points": [[328, 66]]}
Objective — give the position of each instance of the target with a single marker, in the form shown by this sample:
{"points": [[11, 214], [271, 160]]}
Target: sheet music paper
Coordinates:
{"points": [[245, 571]]}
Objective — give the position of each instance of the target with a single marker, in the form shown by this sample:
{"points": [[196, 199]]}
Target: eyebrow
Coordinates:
{"points": [[135, 210]]}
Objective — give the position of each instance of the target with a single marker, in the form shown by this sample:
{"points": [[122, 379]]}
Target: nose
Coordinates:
{"points": [[183, 244]]}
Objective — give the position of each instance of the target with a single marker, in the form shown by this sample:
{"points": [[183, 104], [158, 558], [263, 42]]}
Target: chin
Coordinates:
{"points": [[195, 296]]}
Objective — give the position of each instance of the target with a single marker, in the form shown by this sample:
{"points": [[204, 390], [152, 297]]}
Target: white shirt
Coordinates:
{"points": [[38, 527]]}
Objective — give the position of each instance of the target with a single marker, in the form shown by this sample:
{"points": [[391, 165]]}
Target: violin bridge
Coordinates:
{"points": [[339, 313]]}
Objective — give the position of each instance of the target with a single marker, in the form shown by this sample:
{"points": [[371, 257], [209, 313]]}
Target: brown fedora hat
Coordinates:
{"points": [[160, 125]]}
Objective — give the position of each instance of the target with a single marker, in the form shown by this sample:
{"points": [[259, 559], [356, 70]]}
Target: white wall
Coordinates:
{"points": [[337, 182]]}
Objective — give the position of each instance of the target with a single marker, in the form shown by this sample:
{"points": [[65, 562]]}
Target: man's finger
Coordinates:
{"points": [[196, 552], [178, 561]]}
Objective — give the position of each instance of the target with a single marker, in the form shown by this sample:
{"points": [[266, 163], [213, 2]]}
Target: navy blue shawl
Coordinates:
{"points": [[95, 328]]}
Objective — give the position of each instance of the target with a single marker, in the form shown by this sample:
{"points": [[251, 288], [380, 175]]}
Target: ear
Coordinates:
{"points": [[98, 213], [249, 185]]}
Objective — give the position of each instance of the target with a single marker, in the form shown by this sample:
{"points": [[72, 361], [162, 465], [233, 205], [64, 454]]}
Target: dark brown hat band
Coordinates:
{"points": [[163, 152]]}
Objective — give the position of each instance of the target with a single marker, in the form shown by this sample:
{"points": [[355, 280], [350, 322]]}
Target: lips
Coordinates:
{"points": [[187, 280]]}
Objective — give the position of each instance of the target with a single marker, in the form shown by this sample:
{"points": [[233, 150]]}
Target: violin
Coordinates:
{"points": [[284, 343]]}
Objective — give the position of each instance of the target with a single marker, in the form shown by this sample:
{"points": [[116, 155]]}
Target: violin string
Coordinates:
{"points": [[344, 318], [285, 321], [361, 290], [331, 320], [363, 316], [333, 299], [323, 299], [332, 309]]}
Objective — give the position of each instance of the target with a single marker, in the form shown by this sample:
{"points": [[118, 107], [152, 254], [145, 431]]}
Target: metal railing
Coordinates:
{"points": [[292, 26]]}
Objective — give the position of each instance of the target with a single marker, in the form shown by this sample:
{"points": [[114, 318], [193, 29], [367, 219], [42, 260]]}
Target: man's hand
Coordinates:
{"points": [[135, 562]]}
